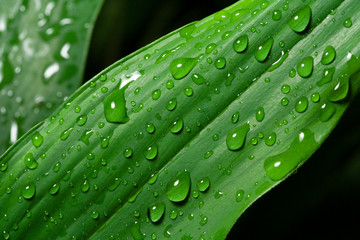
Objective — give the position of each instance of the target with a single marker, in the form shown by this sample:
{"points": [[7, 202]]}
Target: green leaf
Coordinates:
{"points": [[43, 46], [143, 178]]}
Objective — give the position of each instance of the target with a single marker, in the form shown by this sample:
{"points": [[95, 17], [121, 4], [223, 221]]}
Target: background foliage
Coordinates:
{"points": [[320, 201]]}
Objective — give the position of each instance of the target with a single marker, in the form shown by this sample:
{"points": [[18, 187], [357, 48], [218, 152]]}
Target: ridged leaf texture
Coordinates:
{"points": [[179, 138]]}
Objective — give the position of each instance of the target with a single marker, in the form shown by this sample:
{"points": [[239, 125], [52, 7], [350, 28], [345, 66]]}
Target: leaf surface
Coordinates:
{"points": [[179, 138]]}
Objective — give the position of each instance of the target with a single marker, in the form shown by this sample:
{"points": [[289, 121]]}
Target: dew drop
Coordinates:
{"points": [[203, 184], [37, 139], [178, 187], [115, 106], [151, 152], [156, 211], [241, 43], [328, 55], [239, 195], [95, 215], [235, 117], [220, 63], [236, 138], [181, 67], [30, 161], [81, 120], [173, 214], [326, 77], [128, 152], [315, 97], [285, 88], [300, 20], [301, 104], [177, 126], [64, 135], [271, 139], [341, 89], [327, 111], [28, 191], [54, 189], [171, 105], [348, 23], [198, 79], [305, 67], [276, 16], [260, 114], [156, 94], [263, 50], [150, 128]]}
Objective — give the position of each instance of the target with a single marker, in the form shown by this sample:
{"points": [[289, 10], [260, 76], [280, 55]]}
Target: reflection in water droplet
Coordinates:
{"points": [[300, 20], [180, 67], [178, 187]]}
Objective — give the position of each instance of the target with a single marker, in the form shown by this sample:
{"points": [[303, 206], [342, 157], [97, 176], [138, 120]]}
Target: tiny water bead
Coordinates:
{"points": [[37, 139], [241, 43], [326, 77], [171, 105], [263, 50], [115, 106], [28, 191], [173, 214], [170, 84], [220, 63], [236, 138], [178, 187], [305, 67], [301, 104], [279, 166], [260, 114], [30, 162], [315, 97], [156, 211], [300, 20], [128, 152], [181, 67], [95, 215], [188, 92], [271, 139], [177, 126], [276, 15], [198, 79], [209, 48], [151, 152], [328, 55], [203, 184], [348, 23], [235, 117], [150, 128]]}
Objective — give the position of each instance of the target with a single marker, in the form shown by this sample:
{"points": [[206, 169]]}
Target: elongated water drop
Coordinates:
{"points": [[198, 79], [81, 120], [156, 211], [260, 114], [151, 152], [300, 20], [54, 189], [236, 138], [326, 77], [279, 166], [301, 104], [178, 187], [115, 106], [263, 50], [341, 89], [30, 161], [28, 191], [37, 139], [181, 67], [241, 43], [177, 126], [327, 111], [328, 55], [171, 105], [305, 67]]}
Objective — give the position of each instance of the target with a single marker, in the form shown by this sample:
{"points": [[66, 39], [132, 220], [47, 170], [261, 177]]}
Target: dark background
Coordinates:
{"points": [[321, 201]]}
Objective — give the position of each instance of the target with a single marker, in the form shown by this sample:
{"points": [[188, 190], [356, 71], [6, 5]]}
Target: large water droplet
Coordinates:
{"points": [[271, 139], [328, 55], [241, 43], [180, 67], [263, 50], [326, 77], [151, 152], [301, 104], [156, 211], [300, 20], [236, 138], [305, 67], [37, 139], [279, 166], [220, 63], [115, 106], [28, 191], [30, 161], [177, 126], [341, 89], [178, 187]]}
